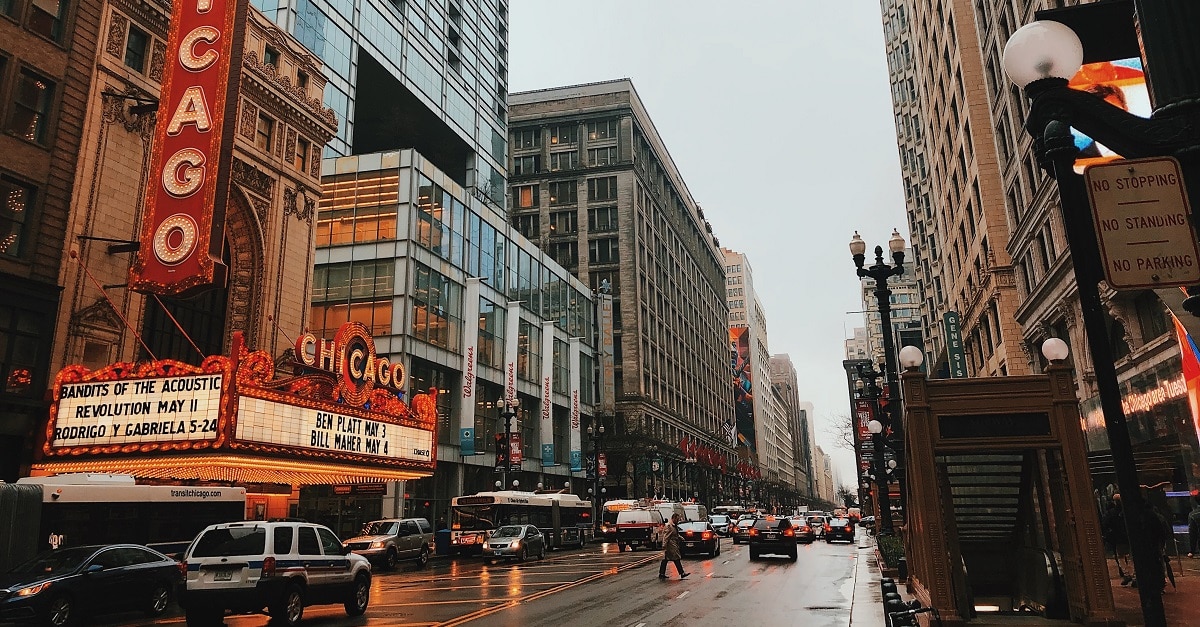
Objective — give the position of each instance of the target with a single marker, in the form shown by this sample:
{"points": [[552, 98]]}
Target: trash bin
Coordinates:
{"points": [[441, 542]]}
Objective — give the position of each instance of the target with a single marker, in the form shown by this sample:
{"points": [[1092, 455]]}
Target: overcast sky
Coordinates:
{"points": [[778, 115]]}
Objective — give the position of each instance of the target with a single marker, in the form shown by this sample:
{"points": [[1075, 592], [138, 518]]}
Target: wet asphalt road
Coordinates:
{"points": [[598, 586]]}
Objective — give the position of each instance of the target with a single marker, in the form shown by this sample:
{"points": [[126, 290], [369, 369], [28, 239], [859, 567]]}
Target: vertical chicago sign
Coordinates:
{"points": [[184, 220]]}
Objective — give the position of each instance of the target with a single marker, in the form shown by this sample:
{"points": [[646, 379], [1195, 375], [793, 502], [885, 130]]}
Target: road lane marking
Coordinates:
{"points": [[685, 593]]}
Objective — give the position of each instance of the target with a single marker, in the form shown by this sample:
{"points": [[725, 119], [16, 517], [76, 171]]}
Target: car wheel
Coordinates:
{"points": [[60, 611], [289, 609], [542, 553], [160, 598], [523, 554], [716, 550], [390, 559], [620, 548], [423, 557], [360, 596], [204, 617], [793, 555], [753, 554]]}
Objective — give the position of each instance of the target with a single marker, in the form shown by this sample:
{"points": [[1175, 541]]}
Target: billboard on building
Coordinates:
{"points": [[743, 391], [1120, 82]]}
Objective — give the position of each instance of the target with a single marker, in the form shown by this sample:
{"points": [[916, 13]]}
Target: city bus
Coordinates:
{"points": [[59, 511], [561, 517]]}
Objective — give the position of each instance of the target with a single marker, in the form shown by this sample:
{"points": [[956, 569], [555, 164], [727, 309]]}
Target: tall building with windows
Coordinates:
{"points": [[1017, 287], [46, 52], [799, 416], [593, 184], [953, 188], [430, 76]]}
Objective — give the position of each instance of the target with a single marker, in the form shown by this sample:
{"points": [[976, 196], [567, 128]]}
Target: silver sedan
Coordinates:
{"points": [[515, 541]]}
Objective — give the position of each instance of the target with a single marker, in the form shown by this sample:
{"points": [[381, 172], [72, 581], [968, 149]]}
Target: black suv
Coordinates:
{"points": [[773, 535]]}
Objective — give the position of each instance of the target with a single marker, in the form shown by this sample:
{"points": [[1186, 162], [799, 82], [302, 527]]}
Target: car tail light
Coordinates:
{"points": [[182, 566], [268, 569], [828, 528], [753, 531], [849, 528], [789, 532], [807, 528], [707, 535], [691, 533]]}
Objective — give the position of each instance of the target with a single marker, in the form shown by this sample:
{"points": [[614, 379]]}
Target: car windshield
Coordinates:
{"points": [[228, 541], [746, 523], [633, 516], [56, 562], [508, 531], [693, 526], [767, 523], [839, 522], [718, 519], [380, 528]]}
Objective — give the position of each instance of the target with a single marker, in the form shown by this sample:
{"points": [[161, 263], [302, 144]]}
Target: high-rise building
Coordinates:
{"points": [[799, 415], [857, 346], [430, 76], [594, 185], [47, 50], [953, 188]]}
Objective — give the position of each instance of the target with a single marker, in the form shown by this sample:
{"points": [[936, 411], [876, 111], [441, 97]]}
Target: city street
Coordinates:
{"points": [[606, 587]]}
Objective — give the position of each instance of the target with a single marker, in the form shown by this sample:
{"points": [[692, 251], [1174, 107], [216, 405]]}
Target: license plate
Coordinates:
{"points": [[635, 542], [223, 575], [691, 544], [771, 536]]}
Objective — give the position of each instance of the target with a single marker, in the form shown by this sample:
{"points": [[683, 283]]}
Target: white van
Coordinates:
{"points": [[695, 512], [667, 509]]}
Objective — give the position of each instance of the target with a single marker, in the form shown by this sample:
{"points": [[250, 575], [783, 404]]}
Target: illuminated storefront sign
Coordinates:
{"points": [[184, 220], [233, 419]]}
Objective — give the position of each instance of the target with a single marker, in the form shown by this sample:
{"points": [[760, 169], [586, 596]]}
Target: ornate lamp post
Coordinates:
{"points": [[596, 435], [1041, 58], [880, 272], [508, 413], [868, 390]]}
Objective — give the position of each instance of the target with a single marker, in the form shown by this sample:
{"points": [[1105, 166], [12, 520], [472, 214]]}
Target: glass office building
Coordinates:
{"points": [[421, 74]]}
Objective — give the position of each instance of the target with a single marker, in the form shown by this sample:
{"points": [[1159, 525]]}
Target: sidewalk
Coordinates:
{"points": [[866, 607]]}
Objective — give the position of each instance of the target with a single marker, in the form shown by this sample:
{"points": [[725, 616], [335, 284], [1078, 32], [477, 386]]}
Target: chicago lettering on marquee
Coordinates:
{"points": [[351, 357], [183, 224]]}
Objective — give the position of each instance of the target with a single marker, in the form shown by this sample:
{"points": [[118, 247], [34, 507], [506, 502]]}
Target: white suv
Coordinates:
{"points": [[281, 566]]}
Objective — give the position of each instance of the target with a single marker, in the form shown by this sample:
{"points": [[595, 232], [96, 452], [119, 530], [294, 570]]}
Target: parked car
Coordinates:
{"points": [[283, 566], [741, 531], [515, 541], [804, 531], [720, 523], [839, 529], [773, 535], [386, 542], [867, 522], [699, 537], [639, 527], [61, 587]]}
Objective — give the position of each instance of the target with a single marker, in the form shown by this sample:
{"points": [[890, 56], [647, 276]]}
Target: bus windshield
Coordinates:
{"points": [[474, 517]]}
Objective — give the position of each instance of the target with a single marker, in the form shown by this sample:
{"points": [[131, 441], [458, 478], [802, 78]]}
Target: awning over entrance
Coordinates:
{"points": [[235, 468]]}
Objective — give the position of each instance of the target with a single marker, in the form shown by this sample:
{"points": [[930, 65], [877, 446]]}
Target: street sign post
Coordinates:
{"points": [[1143, 225]]}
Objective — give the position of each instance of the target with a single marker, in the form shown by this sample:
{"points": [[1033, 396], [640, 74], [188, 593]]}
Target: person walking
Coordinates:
{"points": [[1115, 535], [671, 549], [1194, 530]]}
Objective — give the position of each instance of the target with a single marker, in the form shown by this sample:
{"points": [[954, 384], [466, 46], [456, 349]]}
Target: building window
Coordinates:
{"points": [[566, 134], [526, 165], [435, 301], [20, 335], [564, 223], [602, 156], [303, 150], [1151, 317], [529, 225], [526, 196], [564, 193], [527, 138], [604, 129], [264, 133], [602, 219], [359, 292], [136, 44], [31, 107], [17, 201], [602, 188], [302, 80], [7, 6], [564, 160], [271, 57], [565, 253], [46, 18], [603, 251]]}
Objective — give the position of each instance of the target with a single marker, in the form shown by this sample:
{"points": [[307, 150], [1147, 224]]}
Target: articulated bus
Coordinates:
{"points": [[95, 508], [563, 518]]}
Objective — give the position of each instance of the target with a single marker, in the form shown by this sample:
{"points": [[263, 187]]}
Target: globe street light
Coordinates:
{"points": [[869, 391], [508, 413], [1041, 58], [597, 437]]}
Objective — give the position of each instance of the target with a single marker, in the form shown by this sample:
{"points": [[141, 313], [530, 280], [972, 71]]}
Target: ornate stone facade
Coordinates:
{"points": [[269, 245]]}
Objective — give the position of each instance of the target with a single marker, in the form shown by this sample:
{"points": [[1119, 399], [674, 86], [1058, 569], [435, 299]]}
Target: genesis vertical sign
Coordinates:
{"points": [[954, 345], [183, 225]]}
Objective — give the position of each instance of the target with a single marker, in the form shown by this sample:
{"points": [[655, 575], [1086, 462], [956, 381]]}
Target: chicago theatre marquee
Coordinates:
{"points": [[337, 418]]}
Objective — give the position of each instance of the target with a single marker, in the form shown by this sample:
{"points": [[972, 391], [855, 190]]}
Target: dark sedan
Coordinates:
{"points": [[773, 535], [804, 531], [699, 537], [839, 529], [63, 586], [741, 531]]}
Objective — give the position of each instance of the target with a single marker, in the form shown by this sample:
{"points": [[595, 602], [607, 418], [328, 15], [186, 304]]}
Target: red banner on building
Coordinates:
{"points": [[514, 449], [183, 225], [602, 466]]}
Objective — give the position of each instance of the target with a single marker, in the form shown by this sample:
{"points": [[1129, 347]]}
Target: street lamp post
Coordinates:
{"points": [[880, 272], [507, 414], [596, 435], [1041, 58], [869, 391]]}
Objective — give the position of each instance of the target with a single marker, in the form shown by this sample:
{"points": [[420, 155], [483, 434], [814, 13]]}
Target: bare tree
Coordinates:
{"points": [[841, 428], [847, 496]]}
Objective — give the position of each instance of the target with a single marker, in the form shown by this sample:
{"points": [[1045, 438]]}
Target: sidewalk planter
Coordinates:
{"points": [[889, 550]]}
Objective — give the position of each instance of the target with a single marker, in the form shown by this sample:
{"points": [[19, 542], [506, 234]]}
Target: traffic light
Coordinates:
{"points": [[501, 450]]}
